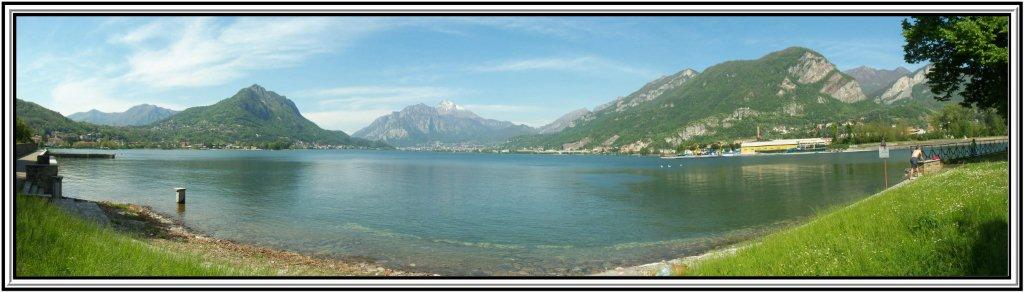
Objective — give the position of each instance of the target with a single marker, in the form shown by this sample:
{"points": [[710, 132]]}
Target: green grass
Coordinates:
{"points": [[51, 242], [949, 224]]}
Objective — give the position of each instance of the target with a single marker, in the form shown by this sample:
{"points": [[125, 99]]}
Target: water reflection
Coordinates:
{"points": [[478, 213]]}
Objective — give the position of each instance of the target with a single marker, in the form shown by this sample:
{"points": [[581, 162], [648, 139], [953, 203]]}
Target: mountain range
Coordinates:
{"points": [[789, 93], [142, 114], [784, 94], [254, 116], [446, 124]]}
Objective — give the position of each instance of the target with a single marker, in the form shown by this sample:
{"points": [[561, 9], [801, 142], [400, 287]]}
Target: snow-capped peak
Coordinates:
{"points": [[448, 106]]}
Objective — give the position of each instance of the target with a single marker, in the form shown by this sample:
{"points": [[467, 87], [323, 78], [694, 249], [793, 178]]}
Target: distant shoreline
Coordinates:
{"points": [[894, 145]]}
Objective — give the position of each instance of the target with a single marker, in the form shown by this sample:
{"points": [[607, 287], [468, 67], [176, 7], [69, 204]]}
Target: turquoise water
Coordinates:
{"points": [[480, 214]]}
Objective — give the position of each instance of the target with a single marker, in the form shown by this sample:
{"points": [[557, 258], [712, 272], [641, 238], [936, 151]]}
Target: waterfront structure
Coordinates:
{"points": [[785, 145]]}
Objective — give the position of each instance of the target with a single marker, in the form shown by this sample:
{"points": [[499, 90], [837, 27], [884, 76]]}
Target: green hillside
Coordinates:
{"points": [[252, 117], [787, 93], [254, 114], [43, 120], [46, 122]]}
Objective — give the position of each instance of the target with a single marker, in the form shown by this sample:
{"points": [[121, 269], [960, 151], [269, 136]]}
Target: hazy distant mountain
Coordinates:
{"points": [[142, 114], [446, 124], [567, 120], [873, 80]]}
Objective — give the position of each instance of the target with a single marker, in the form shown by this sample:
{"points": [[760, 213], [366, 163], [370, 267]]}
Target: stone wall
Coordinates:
{"points": [[42, 175], [22, 149]]}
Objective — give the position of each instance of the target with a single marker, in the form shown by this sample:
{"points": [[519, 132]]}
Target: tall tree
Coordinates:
{"points": [[969, 53]]}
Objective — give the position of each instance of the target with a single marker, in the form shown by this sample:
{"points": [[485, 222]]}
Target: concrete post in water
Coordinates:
{"points": [[181, 195]]}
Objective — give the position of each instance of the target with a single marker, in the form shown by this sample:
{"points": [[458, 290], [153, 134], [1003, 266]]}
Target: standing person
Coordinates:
{"points": [[974, 147], [915, 162]]}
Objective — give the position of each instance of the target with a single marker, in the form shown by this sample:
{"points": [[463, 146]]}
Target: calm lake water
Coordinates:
{"points": [[480, 214]]}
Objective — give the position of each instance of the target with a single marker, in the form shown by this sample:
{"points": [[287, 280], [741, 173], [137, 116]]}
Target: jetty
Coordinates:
{"points": [[82, 155]]}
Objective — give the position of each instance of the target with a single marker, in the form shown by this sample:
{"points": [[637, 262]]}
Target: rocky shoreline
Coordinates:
{"points": [[161, 231]]}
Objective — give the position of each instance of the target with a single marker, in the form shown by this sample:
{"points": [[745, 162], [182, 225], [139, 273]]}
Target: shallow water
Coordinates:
{"points": [[479, 214]]}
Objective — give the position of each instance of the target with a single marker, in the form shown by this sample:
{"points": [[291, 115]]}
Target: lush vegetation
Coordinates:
{"points": [[22, 132], [950, 224], [253, 117], [728, 102], [970, 54], [51, 242], [951, 122]]}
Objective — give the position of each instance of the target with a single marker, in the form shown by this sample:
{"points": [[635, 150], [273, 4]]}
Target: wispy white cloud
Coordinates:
{"points": [[562, 28], [579, 64], [205, 53], [142, 34], [179, 53], [82, 95]]}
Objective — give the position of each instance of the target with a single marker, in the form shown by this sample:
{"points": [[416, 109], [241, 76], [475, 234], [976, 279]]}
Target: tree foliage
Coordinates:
{"points": [[970, 55], [22, 132], [956, 121]]}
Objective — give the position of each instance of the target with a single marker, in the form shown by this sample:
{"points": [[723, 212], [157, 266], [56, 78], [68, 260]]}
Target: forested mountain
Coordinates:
{"points": [[43, 120], [789, 93]]}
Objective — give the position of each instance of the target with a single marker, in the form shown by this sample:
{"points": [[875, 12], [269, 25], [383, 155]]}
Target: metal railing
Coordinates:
{"points": [[949, 152]]}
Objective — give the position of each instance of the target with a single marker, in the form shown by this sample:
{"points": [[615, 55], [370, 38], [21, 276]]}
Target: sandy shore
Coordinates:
{"points": [[161, 231]]}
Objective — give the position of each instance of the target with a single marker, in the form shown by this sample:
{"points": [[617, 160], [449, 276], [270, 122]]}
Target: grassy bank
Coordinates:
{"points": [[51, 242], [950, 224]]}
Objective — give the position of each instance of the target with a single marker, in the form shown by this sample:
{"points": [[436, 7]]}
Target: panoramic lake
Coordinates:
{"points": [[481, 214]]}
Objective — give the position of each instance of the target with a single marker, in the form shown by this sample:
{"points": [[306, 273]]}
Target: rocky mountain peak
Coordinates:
{"points": [[650, 91], [447, 124], [811, 68], [447, 106], [688, 73], [904, 86], [257, 89]]}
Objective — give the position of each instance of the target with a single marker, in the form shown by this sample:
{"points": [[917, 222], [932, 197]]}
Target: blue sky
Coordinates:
{"points": [[343, 72]]}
